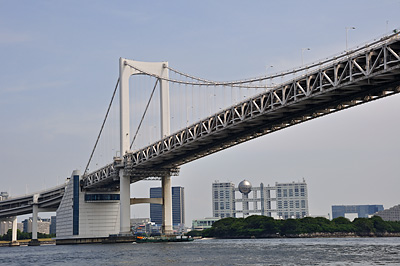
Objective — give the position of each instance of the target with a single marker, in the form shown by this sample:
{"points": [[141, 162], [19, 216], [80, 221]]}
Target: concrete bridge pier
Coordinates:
{"points": [[125, 208], [14, 241], [167, 205], [35, 211]]}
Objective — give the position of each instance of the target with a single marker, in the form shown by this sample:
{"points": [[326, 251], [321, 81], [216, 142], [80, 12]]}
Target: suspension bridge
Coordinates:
{"points": [[215, 116]]}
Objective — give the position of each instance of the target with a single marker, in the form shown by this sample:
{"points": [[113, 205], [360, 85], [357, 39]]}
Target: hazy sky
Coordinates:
{"points": [[59, 64]]}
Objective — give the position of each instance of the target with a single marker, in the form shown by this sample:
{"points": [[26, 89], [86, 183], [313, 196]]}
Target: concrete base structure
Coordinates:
{"points": [[34, 242], [83, 216], [14, 244]]}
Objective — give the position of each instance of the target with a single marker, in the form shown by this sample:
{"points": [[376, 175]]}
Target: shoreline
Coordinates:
{"points": [[313, 235], [25, 242]]}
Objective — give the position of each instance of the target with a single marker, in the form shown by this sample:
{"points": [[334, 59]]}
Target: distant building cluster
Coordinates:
{"points": [[143, 226], [42, 224], [282, 201], [45, 226]]}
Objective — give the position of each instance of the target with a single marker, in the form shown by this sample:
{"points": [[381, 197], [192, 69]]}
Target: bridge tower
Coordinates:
{"points": [[128, 68]]}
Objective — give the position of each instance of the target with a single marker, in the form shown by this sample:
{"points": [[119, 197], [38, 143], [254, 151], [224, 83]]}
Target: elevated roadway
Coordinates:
{"points": [[48, 200], [359, 76]]}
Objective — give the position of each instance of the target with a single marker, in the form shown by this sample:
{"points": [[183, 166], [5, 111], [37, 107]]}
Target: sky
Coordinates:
{"points": [[59, 65]]}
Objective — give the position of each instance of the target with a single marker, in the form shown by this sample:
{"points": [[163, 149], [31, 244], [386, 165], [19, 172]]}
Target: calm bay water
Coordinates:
{"points": [[315, 251]]}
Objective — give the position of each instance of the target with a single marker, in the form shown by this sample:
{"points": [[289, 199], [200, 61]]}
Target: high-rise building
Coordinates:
{"points": [[284, 200], [223, 199], [53, 223], [291, 199], [363, 211], [178, 206]]}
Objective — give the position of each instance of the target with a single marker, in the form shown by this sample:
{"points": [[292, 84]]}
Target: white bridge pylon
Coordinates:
{"points": [[128, 68]]}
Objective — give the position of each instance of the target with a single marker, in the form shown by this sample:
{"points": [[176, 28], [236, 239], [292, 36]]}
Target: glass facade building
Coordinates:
{"points": [[178, 206], [363, 211]]}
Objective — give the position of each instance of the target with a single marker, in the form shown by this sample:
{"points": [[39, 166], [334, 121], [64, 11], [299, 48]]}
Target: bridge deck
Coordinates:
{"points": [[359, 77], [48, 199]]}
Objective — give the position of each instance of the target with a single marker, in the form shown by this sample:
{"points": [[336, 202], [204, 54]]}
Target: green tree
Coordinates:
{"points": [[380, 225], [363, 225], [290, 227], [342, 224]]}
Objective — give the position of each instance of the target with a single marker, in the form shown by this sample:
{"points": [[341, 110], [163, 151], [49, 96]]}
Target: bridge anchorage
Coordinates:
{"points": [[97, 204]]}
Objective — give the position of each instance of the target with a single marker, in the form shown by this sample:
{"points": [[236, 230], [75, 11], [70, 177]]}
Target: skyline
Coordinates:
{"points": [[60, 64]]}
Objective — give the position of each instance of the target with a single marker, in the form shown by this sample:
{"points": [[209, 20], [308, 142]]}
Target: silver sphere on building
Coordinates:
{"points": [[245, 187]]}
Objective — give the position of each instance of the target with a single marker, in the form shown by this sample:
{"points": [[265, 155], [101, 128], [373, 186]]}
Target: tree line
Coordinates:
{"points": [[23, 235], [263, 226]]}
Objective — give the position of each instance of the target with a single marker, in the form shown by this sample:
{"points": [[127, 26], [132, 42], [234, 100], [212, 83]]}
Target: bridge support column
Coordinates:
{"points": [[35, 211], [14, 241], [167, 205], [125, 72], [125, 203]]}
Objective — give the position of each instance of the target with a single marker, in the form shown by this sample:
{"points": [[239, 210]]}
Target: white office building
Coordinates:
{"points": [[391, 214], [282, 201], [223, 199]]}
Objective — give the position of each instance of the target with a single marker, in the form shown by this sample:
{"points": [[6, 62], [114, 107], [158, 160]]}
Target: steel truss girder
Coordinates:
{"points": [[367, 75]]}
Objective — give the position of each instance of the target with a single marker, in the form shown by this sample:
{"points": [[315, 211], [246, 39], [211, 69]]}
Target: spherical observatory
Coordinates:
{"points": [[245, 187]]}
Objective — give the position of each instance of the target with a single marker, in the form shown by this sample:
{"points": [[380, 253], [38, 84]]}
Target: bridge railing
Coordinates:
{"points": [[330, 60], [41, 192]]}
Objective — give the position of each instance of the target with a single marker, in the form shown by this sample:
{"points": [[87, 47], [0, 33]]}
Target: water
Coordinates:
{"points": [[315, 251]]}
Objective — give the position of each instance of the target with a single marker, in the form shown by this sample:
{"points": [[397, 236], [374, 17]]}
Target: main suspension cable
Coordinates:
{"points": [[213, 83], [102, 127], [144, 114], [241, 83]]}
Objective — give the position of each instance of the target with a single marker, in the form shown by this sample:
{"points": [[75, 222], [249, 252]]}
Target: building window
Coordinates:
{"points": [[101, 197]]}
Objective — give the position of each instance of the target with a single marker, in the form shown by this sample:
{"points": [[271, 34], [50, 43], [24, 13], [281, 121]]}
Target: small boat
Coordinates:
{"points": [[157, 239]]}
